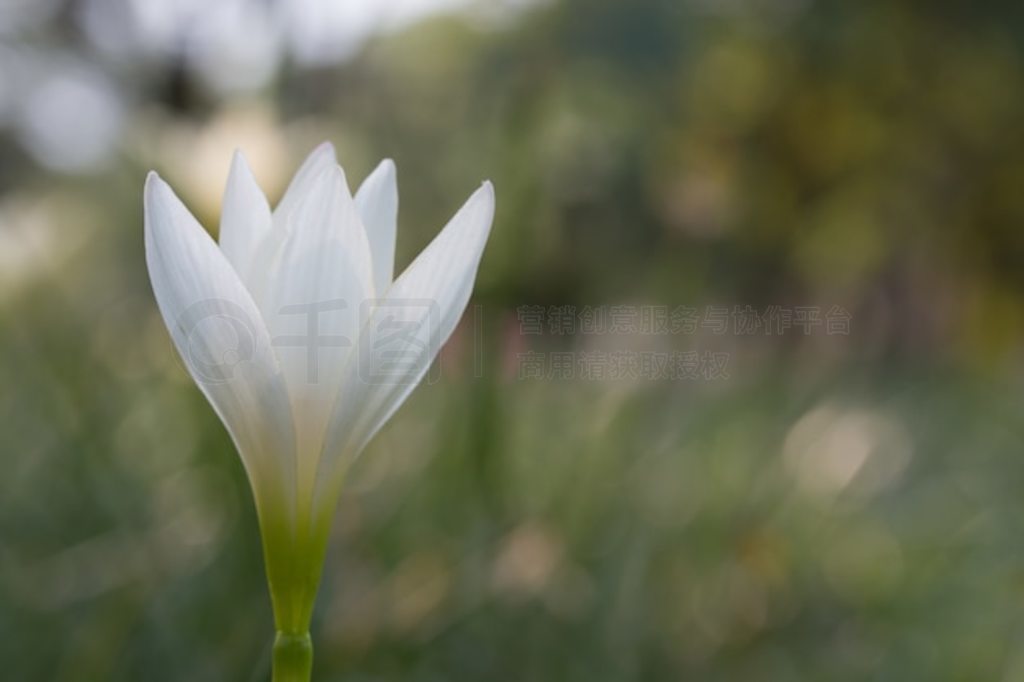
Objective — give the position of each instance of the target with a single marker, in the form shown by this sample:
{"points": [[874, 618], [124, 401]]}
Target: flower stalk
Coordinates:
{"points": [[293, 657]]}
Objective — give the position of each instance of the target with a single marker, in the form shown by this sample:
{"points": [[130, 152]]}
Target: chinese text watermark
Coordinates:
{"points": [[740, 320]]}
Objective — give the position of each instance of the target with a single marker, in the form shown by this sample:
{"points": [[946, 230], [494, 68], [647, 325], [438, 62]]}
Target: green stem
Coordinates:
{"points": [[293, 657]]}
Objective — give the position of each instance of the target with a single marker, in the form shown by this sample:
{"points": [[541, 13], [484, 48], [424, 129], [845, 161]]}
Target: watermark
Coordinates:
{"points": [[313, 340], [403, 339], [216, 338], [621, 365], [393, 341], [652, 320]]}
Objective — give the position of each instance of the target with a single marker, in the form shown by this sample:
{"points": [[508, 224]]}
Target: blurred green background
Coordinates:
{"points": [[841, 507]]}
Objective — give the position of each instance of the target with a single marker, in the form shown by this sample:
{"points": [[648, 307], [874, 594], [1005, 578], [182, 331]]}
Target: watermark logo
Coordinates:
{"points": [[404, 336], [219, 336], [313, 340]]}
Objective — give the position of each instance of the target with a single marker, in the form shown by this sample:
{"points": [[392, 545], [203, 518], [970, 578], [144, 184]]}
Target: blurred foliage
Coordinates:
{"points": [[841, 509]]}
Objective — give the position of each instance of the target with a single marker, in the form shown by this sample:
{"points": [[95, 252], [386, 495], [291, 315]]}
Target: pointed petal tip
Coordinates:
{"points": [[325, 148], [332, 174], [484, 193], [320, 160], [156, 188], [385, 172], [160, 211], [483, 201], [381, 178], [240, 168]]}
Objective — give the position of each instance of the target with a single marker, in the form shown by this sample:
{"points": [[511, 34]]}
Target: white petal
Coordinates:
{"points": [[377, 201], [319, 160], [313, 305], [267, 257], [244, 221], [405, 332], [221, 338]]}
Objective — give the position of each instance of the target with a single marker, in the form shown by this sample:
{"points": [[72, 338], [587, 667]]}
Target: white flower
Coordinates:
{"points": [[300, 338]]}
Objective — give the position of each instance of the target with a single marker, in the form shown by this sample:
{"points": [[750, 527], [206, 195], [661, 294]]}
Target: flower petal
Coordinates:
{"points": [[313, 305], [377, 202], [319, 160], [244, 222], [403, 335], [221, 338], [266, 259]]}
